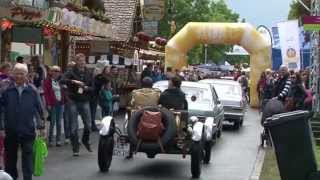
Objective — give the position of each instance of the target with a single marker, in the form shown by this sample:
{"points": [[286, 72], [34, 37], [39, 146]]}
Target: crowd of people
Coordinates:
{"points": [[290, 87], [32, 94]]}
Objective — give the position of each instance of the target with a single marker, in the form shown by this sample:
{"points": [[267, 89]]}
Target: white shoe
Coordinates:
{"points": [[67, 141]]}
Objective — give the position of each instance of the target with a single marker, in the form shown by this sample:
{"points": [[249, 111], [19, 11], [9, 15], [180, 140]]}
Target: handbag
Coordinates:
{"points": [[40, 152]]}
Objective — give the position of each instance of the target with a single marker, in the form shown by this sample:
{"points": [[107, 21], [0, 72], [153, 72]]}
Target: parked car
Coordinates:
{"points": [[206, 105], [230, 95]]}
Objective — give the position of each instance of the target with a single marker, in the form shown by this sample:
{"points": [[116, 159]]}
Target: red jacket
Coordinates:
{"points": [[49, 93]]}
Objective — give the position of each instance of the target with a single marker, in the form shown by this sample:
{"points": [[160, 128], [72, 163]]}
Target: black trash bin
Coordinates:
{"points": [[292, 140]]}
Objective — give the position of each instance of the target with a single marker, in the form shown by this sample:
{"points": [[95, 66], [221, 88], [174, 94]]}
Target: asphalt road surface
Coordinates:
{"points": [[233, 158]]}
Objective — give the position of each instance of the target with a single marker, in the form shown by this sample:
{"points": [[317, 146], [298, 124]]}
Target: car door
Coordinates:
{"points": [[219, 112]]}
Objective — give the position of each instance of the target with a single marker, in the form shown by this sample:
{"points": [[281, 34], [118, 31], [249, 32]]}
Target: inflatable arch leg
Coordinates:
{"points": [[242, 34]]}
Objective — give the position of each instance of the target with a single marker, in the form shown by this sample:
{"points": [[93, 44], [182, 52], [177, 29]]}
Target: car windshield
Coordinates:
{"points": [[227, 90]]}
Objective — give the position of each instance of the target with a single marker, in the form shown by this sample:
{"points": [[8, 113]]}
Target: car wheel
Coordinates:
{"points": [[236, 125], [241, 122], [105, 152], [196, 159], [219, 133], [207, 151]]}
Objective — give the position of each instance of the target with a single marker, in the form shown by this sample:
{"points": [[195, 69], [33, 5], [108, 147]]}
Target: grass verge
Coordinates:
{"points": [[270, 168]]}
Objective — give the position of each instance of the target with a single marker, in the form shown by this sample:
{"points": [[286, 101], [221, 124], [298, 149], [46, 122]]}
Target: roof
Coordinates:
{"points": [[220, 81], [122, 14], [184, 84]]}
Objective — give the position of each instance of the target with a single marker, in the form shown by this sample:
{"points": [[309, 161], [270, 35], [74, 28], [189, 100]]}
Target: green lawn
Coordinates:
{"points": [[318, 156], [270, 169]]}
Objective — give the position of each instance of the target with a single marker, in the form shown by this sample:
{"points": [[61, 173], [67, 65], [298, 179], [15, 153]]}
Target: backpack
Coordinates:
{"points": [[150, 127]]}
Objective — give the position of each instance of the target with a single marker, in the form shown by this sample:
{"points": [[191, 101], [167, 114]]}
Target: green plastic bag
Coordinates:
{"points": [[40, 152]]}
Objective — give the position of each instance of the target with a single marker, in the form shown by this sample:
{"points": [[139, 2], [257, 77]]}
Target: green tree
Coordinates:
{"points": [[198, 11], [297, 10]]}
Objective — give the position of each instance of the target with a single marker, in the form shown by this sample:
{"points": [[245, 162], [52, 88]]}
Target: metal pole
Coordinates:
{"points": [[205, 53]]}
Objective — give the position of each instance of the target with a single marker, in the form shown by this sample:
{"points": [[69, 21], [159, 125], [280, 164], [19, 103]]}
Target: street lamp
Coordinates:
{"points": [[205, 53]]}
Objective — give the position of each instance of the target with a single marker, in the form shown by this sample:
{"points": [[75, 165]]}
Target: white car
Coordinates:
{"points": [[205, 105], [230, 95]]}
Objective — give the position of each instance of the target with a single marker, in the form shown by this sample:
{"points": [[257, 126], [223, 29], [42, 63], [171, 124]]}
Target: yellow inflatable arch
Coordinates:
{"points": [[242, 34]]}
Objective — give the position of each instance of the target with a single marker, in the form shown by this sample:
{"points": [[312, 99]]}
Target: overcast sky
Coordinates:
{"points": [[261, 12]]}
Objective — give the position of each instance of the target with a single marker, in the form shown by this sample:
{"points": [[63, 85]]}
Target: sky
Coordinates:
{"points": [[261, 12]]}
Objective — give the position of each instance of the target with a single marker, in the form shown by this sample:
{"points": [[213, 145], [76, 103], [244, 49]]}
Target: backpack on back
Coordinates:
{"points": [[150, 127]]}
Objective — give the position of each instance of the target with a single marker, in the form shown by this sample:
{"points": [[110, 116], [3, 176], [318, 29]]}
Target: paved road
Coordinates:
{"points": [[233, 159]]}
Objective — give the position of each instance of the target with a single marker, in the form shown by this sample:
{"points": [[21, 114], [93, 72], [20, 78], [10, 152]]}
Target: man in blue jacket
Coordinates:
{"points": [[23, 114]]}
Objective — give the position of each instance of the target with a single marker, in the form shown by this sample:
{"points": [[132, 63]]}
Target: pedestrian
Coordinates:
{"points": [[169, 74], [79, 82], [105, 98], [54, 97], [297, 93], [67, 112], [244, 82], [132, 76], [97, 84], [39, 74], [5, 77], [261, 86], [283, 84], [147, 72], [157, 74], [114, 78], [21, 105]]}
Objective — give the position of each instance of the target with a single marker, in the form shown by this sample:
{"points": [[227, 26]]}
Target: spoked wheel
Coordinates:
{"points": [[196, 159], [207, 152], [105, 152]]}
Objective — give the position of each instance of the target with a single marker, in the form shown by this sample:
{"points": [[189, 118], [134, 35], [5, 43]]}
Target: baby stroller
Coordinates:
{"points": [[271, 107]]}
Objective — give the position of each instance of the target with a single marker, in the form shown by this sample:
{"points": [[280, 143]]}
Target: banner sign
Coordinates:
{"points": [[311, 23], [290, 44], [153, 10], [275, 37]]}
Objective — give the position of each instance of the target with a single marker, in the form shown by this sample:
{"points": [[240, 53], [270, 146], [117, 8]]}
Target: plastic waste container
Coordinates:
{"points": [[292, 140]]}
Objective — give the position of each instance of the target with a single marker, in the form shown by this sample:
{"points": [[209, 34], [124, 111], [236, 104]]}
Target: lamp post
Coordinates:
{"points": [[205, 53]]}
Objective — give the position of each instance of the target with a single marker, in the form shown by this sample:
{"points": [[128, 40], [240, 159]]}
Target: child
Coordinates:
{"points": [[105, 98]]}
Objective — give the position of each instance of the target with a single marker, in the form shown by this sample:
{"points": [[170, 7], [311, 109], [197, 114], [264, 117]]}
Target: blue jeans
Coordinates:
{"points": [[82, 108], [55, 120], [93, 110], [67, 120]]}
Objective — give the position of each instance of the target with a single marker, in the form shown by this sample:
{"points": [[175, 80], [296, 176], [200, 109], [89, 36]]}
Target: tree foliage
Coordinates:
{"points": [[198, 11], [297, 10]]}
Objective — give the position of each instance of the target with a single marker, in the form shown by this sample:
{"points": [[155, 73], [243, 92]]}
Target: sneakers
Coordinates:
{"points": [[67, 141], [75, 154], [58, 144]]}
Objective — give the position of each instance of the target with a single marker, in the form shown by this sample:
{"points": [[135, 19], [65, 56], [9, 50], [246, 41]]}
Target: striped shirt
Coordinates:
{"points": [[285, 91]]}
